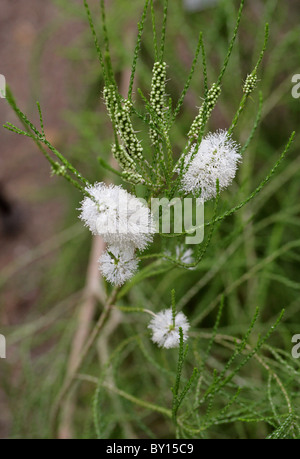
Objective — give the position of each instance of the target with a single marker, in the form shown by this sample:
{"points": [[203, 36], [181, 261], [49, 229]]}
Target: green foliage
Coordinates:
{"points": [[232, 379]]}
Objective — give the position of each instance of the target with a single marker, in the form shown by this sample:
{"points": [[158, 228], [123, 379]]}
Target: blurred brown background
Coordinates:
{"points": [[31, 39]]}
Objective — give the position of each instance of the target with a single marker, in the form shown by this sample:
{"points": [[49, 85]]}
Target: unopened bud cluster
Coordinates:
{"points": [[111, 100], [126, 131], [157, 95], [127, 164], [211, 100], [131, 150], [123, 158], [250, 84], [133, 177], [120, 116], [58, 169]]}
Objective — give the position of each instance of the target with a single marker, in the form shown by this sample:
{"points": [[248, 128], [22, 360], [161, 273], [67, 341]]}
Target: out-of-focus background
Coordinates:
{"points": [[47, 54]]}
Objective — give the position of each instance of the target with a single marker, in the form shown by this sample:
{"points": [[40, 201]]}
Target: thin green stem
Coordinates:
{"points": [[106, 42], [188, 82], [137, 49], [163, 33], [231, 43], [97, 46], [154, 31]]}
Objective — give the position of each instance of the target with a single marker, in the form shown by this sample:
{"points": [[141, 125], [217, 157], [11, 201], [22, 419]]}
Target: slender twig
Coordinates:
{"points": [[71, 377], [91, 295]]}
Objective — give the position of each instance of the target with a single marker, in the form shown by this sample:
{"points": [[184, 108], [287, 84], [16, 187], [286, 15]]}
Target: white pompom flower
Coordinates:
{"points": [[118, 265], [118, 216], [216, 159], [165, 333], [184, 254]]}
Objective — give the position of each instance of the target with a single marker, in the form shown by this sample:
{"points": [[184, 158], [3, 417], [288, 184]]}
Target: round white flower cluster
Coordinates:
{"points": [[124, 222], [165, 332], [183, 255], [216, 159], [118, 265]]}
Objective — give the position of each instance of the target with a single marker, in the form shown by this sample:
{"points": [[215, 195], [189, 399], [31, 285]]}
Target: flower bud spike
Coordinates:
{"points": [[158, 95], [250, 84], [211, 100]]}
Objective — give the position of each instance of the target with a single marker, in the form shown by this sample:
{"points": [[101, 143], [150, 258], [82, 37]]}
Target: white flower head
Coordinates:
{"points": [[118, 265], [164, 332], [184, 254], [217, 158], [118, 216]]}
